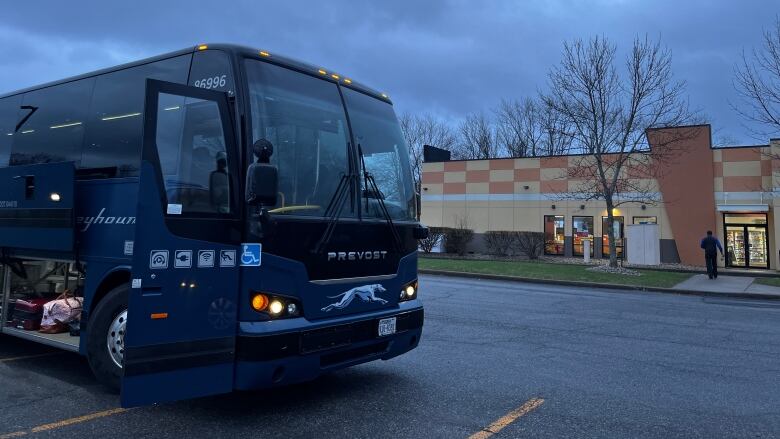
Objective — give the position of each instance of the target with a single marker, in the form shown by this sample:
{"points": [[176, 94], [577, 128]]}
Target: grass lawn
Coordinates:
{"points": [[771, 281], [543, 270]]}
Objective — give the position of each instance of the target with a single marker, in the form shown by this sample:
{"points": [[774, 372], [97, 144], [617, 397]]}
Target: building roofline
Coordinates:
{"points": [[721, 148], [586, 154]]}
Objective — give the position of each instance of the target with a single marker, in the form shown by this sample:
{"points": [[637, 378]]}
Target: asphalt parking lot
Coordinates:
{"points": [[496, 358]]}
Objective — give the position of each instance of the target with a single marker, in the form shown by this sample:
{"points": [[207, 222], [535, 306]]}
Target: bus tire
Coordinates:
{"points": [[105, 316]]}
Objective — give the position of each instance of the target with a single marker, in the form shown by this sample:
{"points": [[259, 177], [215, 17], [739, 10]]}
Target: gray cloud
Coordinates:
{"points": [[444, 57]]}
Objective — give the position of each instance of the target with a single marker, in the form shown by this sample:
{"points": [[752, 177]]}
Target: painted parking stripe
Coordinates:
{"points": [[64, 423], [80, 419], [26, 357], [500, 423]]}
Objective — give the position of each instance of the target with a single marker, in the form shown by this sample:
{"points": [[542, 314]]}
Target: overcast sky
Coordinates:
{"points": [[443, 57]]}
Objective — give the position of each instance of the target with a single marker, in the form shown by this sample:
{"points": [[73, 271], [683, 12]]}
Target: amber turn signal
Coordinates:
{"points": [[259, 302]]}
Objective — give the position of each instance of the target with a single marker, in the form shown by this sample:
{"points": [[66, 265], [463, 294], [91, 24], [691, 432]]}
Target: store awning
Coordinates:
{"points": [[743, 208]]}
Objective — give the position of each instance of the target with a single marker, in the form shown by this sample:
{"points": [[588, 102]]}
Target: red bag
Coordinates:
{"points": [[28, 314]]}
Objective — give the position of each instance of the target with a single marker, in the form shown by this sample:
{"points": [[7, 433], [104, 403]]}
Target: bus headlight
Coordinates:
{"points": [[408, 292], [275, 307]]}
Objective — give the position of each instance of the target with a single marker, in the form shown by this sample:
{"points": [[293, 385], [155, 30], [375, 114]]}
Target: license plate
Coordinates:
{"points": [[387, 326]]}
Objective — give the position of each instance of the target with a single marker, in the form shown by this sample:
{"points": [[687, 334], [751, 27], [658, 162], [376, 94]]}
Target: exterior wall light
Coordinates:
{"points": [[552, 207], [582, 207], [644, 207]]}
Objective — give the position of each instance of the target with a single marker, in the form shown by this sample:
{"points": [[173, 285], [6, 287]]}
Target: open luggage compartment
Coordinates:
{"points": [[37, 245]]}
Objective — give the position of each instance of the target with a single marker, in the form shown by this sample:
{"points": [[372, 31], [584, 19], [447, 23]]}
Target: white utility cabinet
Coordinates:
{"points": [[644, 247]]}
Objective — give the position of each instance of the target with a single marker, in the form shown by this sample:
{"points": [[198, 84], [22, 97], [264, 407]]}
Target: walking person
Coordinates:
{"points": [[711, 246]]}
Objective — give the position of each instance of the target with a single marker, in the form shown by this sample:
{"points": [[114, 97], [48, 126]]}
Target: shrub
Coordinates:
{"points": [[456, 239], [529, 244], [435, 235], [499, 242]]}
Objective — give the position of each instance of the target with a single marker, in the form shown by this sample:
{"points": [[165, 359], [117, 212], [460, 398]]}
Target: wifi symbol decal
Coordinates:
{"points": [[205, 258]]}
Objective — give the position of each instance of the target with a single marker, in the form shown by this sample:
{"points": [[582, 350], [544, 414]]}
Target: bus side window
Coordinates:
{"points": [[211, 70], [9, 110], [115, 122], [53, 128], [193, 156]]}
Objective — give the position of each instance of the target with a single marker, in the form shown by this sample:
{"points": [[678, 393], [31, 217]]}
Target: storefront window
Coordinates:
{"points": [[618, 233], [645, 220], [553, 234], [581, 229]]}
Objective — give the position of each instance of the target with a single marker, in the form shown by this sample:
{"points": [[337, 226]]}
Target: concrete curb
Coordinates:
{"points": [[754, 296]]}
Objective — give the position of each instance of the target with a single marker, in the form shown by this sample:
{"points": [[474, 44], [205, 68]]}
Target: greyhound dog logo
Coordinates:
{"points": [[366, 293]]}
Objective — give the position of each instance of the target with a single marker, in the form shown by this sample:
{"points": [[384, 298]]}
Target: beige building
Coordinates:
{"points": [[727, 190]]}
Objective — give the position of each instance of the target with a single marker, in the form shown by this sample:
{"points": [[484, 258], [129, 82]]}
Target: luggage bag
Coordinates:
{"points": [[27, 314]]}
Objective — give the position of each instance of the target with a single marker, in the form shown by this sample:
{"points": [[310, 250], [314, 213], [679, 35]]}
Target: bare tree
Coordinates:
{"points": [[419, 131], [758, 83], [610, 113], [517, 127], [556, 131], [531, 128], [424, 130], [477, 140]]}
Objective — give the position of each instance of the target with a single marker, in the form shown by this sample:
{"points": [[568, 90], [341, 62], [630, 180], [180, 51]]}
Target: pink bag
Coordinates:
{"points": [[62, 311]]}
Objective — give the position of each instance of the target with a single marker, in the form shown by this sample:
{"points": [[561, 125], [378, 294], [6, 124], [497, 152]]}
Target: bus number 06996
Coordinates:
{"points": [[213, 82]]}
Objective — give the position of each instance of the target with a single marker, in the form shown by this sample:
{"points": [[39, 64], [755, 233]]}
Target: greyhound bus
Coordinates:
{"points": [[216, 218]]}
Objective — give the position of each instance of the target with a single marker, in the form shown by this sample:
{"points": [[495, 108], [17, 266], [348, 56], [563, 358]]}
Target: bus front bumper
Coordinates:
{"points": [[290, 351]]}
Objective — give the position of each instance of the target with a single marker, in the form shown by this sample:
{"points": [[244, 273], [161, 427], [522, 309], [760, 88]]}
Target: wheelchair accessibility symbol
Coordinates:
{"points": [[250, 255]]}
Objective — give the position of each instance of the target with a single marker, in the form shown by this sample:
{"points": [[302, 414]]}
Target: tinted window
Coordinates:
{"points": [[385, 153], [211, 70], [304, 119], [191, 147], [114, 125], [9, 109], [54, 127]]}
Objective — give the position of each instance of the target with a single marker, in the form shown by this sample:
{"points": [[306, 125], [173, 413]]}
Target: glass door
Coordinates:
{"points": [[757, 247], [735, 246]]}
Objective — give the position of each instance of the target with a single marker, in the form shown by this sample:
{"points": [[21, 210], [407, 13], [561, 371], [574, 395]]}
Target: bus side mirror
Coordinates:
{"points": [[262, 188], [421, 232]]}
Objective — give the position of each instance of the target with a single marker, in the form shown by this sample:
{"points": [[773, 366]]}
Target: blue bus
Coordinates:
{"points": [[225, 217]]}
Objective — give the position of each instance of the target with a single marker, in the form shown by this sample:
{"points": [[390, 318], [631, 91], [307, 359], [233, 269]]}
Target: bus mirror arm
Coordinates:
{"points": [[265, 220]]}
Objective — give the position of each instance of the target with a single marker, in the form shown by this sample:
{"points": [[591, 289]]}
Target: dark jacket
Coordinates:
{"points": [[711, 245]]}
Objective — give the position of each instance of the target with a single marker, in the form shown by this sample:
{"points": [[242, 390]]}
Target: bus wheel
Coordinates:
{"points": [[106, 335]]}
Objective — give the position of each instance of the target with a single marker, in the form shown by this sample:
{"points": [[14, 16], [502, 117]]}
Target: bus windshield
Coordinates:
{"points": [[385, 154], [304, 119]]}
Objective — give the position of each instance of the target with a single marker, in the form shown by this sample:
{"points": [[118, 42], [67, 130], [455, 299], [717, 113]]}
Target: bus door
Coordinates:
{"points": [[182, 308]]}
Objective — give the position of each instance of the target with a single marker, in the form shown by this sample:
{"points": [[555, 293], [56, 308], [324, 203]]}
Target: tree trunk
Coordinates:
{"points": [[611, 234]]}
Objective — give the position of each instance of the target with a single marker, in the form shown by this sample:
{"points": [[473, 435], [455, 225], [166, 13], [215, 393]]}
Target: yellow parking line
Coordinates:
{"points": [[6, 360], [71, 421], [64, 423], [502, 422]]}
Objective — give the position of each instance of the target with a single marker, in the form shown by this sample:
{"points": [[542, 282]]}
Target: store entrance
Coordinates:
{"points": [[746, 241]]}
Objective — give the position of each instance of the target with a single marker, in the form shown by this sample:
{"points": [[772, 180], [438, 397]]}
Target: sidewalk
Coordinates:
{"points": [[739, 287], [726, 285]]}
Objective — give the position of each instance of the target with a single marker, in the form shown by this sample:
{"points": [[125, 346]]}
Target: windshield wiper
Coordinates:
{"points": [[335, 207], [371, 187]]}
